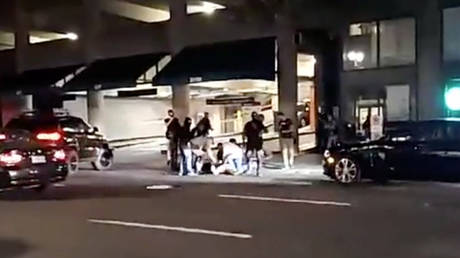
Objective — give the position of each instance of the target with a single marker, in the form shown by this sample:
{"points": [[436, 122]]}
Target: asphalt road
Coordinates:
{"points": [[113, 214]]}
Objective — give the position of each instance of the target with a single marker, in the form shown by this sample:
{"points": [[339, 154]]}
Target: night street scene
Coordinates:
{"points": [[230, 128]]}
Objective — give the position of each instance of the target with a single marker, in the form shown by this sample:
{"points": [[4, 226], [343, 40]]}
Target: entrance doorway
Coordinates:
{"points": [[365, 109]]}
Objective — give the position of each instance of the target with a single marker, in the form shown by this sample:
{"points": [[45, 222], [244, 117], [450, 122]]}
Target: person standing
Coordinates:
{"points": [[185, 148], [206, 124], [286, 140], [332, 131], [172, 134], [253, 131]]}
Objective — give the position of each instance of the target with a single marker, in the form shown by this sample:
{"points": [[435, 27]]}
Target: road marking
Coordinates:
{"points": [[159, 187], [169, 228], [258, 198]]}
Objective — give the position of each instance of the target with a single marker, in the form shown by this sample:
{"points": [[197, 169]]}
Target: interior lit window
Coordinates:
{"points": [[360, 50]]}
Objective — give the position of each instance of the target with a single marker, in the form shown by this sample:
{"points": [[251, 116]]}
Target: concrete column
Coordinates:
{"points": [[181, 93], [287, 71], [181, 101], [93, 26], [178, 12], [21, 36], [430, 103], [95, 104]]}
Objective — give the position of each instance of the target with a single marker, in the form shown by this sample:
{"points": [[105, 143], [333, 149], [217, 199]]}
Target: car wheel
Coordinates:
{"points": [[73, 162], [104, 161], [347, 171]]}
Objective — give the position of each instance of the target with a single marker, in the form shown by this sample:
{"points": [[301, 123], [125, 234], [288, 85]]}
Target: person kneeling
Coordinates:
{"points": [[229, 159]]}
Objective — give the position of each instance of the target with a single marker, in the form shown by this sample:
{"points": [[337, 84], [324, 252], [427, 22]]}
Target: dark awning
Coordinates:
{"points": [[247, 59], [32, 80], [114, 72]]}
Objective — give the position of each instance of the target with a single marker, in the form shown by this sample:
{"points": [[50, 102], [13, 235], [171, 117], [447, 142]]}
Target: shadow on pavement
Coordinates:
{"points": [[12, 248], [78, 192]]}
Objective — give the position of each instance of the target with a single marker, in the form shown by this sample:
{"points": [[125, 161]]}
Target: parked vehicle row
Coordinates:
{"points": [[428, 150], [37, 149]]}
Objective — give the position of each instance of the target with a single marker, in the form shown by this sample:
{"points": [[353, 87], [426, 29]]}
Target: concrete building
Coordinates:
{"points": [[391, 57]]}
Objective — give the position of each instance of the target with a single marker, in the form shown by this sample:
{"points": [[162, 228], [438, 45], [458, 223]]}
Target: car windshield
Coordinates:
{"points": [[33, 124]]}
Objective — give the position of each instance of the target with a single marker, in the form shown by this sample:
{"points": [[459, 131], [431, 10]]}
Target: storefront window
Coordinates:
{"points": [[451, 34], [360, 51], [397, 42]]}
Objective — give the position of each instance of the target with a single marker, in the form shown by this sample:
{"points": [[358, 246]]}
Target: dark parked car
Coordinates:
{"points": [[427, 150], [24, 162], [81, 142]]}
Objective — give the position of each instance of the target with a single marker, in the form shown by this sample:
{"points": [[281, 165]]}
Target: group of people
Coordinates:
{"points": [[190, 150], [181, 139]]}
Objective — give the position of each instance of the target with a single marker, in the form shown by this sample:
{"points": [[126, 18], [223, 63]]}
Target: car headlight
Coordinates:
{"points": [[327, 154], [330, 160]]}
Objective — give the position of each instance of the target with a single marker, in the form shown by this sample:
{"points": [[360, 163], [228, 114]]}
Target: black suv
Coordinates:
{"points": [[82, 142]]}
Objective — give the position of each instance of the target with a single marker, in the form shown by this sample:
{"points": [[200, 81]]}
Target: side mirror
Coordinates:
{"points": [[95, 129]]}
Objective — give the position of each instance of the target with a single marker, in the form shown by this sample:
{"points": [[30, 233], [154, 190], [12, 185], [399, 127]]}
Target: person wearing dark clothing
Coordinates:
{"points": [[172, 134], [367, 127], [184, 147], [253, 131], [286, 140]]}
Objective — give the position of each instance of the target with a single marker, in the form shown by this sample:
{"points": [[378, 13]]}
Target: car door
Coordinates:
{"points": [[76, 129], [449, 160], [430, 151], [402, 154], [90, 139]]}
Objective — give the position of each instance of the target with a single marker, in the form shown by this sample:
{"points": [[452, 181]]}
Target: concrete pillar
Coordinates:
{"points": [[21, 37], [95, 104], [181, 93], [181, 101], [430, 103], [93, 26], [12, 106], [178, 12], [287, 71]]}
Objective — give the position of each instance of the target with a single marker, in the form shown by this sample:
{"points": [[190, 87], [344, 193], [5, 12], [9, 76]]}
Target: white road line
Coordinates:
{"points": [[159, 187], [169, 228], [258, 198]]}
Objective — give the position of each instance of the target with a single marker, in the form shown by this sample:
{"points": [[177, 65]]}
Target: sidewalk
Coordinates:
{"points": [[147, 164]]}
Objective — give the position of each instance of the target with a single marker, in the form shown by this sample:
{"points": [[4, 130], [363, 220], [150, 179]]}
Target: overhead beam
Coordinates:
{"points": [[134, 11]]}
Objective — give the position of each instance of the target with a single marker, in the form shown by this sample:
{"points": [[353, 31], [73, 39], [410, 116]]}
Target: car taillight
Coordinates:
{"points": [[54, 136], [2, 137], [60, 155], [11, 158]]}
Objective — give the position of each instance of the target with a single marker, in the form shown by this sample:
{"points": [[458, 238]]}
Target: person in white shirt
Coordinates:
{"points": [[229, 158]]}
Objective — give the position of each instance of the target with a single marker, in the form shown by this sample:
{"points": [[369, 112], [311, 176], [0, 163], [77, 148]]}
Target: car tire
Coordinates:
{"points": [[104, 160], [347, 171], [73, 161]]}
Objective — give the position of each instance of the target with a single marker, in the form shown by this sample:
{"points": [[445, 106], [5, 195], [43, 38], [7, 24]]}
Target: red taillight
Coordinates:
{"points": [[2, 137], [10, 158], [60, 155], [54, 136]]}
